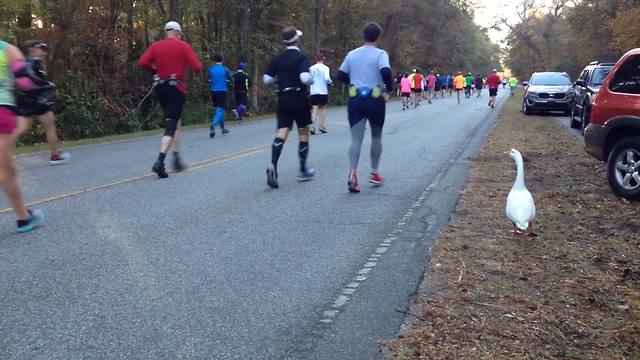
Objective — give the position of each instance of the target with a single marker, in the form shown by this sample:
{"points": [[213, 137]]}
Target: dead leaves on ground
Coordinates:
{"points": [[573, 292]]}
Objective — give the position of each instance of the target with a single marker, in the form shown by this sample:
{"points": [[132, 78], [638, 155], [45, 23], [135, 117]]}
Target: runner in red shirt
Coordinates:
{"points": [[417, 87], [168, 60], [493, 81]]}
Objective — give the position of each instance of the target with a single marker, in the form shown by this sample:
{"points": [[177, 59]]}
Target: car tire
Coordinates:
{"points": [[525, 107], [623, 168], [584, 117], [572, 117]]}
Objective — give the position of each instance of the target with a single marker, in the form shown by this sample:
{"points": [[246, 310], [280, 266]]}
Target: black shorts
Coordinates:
{"points": [[35, 110], [406, 94], [219, 98], [416, 90], [171, 100], [34, 104], [493, 92], [293, 107], [360, 108], [241, 98], [319, 100]]}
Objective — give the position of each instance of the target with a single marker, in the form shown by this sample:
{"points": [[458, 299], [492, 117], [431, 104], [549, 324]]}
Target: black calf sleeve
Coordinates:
{"points": [[276, 150], [303, 151]]}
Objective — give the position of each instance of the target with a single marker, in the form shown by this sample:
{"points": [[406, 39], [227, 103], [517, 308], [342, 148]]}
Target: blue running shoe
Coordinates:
{"points": [[36, 219], [306, 175]]}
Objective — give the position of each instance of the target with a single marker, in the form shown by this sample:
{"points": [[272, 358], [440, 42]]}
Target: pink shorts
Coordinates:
{"points": [[7, 120]]}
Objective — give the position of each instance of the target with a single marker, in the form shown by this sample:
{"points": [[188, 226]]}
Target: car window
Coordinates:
{"points": [[599, 75], [584, 75], [627, 78], [549, 79]]}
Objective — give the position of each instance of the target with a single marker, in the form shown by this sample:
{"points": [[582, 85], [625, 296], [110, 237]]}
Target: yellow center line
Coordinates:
{"points": [[193, 167]]}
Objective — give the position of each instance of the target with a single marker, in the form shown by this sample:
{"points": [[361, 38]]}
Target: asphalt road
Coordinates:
{"points": [[211, 263]]}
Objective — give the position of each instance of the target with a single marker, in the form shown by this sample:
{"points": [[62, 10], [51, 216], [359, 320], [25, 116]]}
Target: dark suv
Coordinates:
{"points": [[547, 91], [613, 134], [584, 89]]}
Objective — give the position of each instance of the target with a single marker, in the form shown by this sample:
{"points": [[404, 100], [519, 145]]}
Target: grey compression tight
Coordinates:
{"points": [[357, 136]]}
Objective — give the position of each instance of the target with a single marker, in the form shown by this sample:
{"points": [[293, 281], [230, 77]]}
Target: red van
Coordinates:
{"points": [[613, 134]]}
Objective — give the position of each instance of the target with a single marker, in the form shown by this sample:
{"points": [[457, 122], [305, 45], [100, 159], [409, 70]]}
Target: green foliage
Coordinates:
{"points": [[566, 38], [96, 45]]}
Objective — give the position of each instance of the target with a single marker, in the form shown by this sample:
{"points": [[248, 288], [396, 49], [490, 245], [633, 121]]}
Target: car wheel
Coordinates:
{"points": [[584, 118], [525, 107], [623, 168], [572, 117]]}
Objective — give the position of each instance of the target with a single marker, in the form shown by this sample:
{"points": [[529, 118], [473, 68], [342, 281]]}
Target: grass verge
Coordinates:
{"points": [[572, 292], [43, 147], [40, 147]]}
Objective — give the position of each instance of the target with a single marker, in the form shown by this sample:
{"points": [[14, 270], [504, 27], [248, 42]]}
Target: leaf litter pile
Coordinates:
{"points": [[572, 292]]}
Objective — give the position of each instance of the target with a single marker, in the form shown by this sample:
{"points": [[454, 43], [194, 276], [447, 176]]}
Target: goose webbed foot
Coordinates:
{"points": [[530, 232], [515, 230]]}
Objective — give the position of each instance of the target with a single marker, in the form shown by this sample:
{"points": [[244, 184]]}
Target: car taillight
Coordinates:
{"points": [[594, 108]]}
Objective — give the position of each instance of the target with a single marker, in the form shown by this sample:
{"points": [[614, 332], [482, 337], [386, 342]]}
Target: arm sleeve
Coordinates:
{"points": [[344, 77], [385, 70], [192, 60], [146, 60], [248, 81], [387, 77]]}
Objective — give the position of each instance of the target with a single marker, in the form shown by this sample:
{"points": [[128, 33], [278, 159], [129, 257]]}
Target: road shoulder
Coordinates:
{"points": [[574, 291]]}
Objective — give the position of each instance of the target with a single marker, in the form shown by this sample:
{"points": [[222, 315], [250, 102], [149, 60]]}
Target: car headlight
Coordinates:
{"points": [[532, 93]]}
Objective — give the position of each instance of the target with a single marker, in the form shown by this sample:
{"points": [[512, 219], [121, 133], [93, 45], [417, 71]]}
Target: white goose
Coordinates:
{"points": [[521, 209]]}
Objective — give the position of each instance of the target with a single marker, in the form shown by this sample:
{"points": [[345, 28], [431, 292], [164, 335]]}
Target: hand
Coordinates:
{"points": [[386, 97]]}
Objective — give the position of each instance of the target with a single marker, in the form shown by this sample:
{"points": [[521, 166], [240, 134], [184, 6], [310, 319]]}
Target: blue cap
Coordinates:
{"points": [[241, 66]]}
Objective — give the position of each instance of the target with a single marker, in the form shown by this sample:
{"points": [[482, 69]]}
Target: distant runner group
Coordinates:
{"points": [[302, 98], [413, 87]]}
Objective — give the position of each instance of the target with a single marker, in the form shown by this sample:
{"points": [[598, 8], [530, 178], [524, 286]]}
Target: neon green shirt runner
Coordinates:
{"points": [[6, 79], [513, 81], [468, 80]]}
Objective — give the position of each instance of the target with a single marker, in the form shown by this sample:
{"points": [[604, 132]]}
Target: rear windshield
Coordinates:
{"points": [[550, 79], [599, 75]]}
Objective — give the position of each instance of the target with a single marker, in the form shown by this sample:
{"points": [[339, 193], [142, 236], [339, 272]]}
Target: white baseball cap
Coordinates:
{"points": [[172, 25]]}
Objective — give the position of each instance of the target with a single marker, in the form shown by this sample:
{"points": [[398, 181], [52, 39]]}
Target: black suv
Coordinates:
{"points": [[584, 89]]}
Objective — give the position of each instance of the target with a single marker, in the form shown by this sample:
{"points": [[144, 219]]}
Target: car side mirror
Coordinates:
{"points": [[525, 84], [580, 82]]}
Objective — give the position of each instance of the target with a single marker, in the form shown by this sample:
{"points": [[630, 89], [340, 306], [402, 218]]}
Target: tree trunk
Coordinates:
{"points": [[318, 23], [175, 10], [243, 29], [25, 19], [161, 9], [255, 88]]}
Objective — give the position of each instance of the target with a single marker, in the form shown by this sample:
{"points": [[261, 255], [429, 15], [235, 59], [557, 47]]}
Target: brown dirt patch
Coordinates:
{"points": [[572, 292]]}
